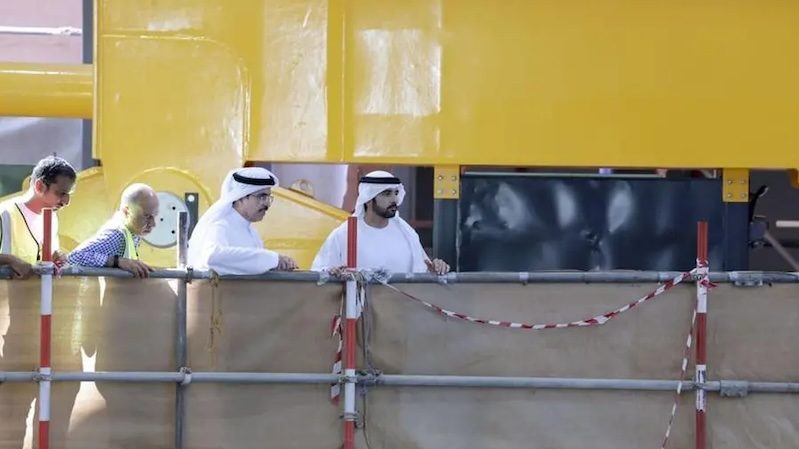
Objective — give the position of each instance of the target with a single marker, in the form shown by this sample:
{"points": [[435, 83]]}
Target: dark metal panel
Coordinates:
{"points": [[530, 223], [192, 200], [88, 58], [736, 236], [445, 230]]}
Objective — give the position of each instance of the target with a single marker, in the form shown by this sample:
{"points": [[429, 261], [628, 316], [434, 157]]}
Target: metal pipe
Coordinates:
{"points": [[403, 380], [771, 387], [170, 273], [205, 377], [45, 328], [592, 277], [46, 90], [41, 31], [701, 334], [350, 324], [181, 350], [265, 378], [122, 376], [528, 382], [18, 376]]}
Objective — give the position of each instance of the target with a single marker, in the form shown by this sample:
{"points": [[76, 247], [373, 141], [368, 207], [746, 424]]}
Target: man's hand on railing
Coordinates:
{"points": [[437, 266], [285, 263], [137, 268], [22, 269], [59, 262], [59, 259]]}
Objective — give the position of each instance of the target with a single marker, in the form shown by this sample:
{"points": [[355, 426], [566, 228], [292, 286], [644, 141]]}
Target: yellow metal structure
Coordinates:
{"points": [[616, 83], [188, 89], [46, 90], [446, 182], [736, 185]]}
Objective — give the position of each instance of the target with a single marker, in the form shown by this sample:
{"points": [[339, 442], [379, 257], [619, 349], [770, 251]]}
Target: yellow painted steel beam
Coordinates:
{"points": [[617, 83], [46, 90]]}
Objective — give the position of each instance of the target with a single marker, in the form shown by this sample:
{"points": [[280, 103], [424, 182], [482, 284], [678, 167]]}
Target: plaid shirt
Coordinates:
{"points": [[96, 251]]}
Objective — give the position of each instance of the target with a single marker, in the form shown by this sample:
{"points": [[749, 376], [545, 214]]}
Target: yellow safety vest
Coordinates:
{"points": [[130, 245], [16, 237]]}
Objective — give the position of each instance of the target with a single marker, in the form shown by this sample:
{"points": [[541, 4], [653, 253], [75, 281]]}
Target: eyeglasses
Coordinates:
{"points": [[262, 197]]}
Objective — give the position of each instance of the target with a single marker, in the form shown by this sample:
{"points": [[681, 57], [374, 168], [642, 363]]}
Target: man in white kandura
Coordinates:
{"points": [[385, 240], [224, 239]]}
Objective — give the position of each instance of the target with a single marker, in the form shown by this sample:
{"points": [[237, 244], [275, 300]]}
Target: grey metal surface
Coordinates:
{"points": [[445, 230]]}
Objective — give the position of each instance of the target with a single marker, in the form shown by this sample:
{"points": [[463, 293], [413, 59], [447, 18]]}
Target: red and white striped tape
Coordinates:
{"points": [[683, 369], [337, 332], [593, 321]]}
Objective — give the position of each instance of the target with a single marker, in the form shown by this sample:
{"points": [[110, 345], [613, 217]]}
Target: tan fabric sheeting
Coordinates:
{"points": [[513, 419], [129, 325], [284, 327], [752, 335], [646, 342], [275, 327]]}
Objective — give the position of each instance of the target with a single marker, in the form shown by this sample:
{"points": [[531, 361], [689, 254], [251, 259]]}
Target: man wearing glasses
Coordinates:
{"points": [[224, 239], [21, 218], [116, 244]]}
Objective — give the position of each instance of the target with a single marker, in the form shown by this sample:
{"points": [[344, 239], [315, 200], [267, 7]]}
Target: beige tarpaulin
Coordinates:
{"points": [[752, 335], [126, 325]]}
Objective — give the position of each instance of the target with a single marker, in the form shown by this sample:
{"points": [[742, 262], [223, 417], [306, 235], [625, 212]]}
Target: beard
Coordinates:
{"points": [[385, 212]]}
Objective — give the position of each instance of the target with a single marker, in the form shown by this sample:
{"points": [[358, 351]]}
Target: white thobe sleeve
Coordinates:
{"points": [[419, 256], [332, 253], [222, 256]]}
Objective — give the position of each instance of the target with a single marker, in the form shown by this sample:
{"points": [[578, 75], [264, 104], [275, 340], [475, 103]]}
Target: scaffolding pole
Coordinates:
{"points": [[45, 332], [350, 324], [744, 278], [181, 347], [702, 286], [727, 388]]}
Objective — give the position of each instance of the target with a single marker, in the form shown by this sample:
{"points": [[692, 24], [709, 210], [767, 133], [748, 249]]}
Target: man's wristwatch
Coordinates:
{"points": [[116, 262]]}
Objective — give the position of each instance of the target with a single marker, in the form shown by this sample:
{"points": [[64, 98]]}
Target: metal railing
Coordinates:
{"points": [[183, 375]]}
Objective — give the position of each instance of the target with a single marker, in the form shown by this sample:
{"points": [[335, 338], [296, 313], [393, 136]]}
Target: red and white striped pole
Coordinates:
{"points": [[351, 315], [46, 330], [702, 285]]}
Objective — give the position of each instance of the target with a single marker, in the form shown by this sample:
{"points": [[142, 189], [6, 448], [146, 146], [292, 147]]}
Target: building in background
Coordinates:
{"points": [[25, 140]]}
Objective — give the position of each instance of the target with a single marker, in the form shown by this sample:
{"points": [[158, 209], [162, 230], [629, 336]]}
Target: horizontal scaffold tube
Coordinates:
{"points": [[206, 377], [18, 376], [529, 382], [753, 278], [404, 380]]}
